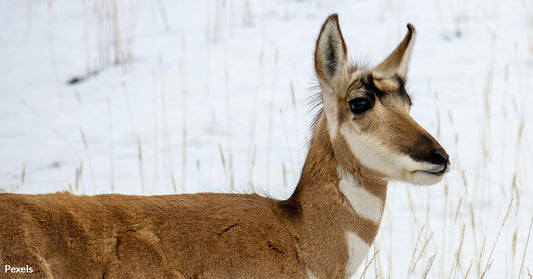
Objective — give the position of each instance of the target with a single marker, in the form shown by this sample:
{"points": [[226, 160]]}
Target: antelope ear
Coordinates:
{"points": [[398, 61], [330, 55]]}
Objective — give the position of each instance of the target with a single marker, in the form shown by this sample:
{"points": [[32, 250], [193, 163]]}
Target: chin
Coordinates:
{"points": [[423, 177]]}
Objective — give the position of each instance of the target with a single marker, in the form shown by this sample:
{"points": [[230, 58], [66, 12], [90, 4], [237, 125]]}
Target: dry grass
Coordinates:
{"points": [[457, 229]]}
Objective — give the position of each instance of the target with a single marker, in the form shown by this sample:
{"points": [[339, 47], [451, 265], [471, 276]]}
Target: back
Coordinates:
{"points": [[118, 236]]}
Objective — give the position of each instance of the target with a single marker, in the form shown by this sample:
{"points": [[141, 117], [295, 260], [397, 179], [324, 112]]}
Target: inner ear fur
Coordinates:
{"points": [[330, 54]]}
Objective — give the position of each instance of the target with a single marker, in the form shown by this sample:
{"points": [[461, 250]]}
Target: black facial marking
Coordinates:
{"points": [[370, 86], [331, 56], [402, 92], [427, 149], [368, 83]]}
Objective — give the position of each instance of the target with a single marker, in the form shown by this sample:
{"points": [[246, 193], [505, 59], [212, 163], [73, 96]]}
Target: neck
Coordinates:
{"points": [[345, 205]]}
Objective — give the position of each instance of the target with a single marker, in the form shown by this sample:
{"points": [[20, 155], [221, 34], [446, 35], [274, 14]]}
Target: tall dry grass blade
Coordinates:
{"points": [[296, 121], [222, 157], [79, 173], [465, 181], [413, 255], [411, 206], [428, 266], [111, 149], [480, 258], [229, 174], [167, 146], [363, 274], [513, 250], [174, 183], [141, 167], [225, 164], [155, 128], [184, 156], [421, 252], [439, 124], [271, 115], [457, 210], [525, 250], [252, 165], [88, 156], [490, 260], [444, 227], [460, 249], [378, 265], [22, 177], [289, 147], [184, 93], [514, 188], [468, 270], [473, 225], [390, 250]]}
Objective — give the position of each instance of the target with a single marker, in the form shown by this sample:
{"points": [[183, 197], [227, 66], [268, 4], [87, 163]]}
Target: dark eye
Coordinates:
{"points": [[360, 105]]}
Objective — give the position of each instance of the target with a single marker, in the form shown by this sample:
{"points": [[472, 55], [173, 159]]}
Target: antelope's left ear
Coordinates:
{"points": [[331, 60], [397, 62]]}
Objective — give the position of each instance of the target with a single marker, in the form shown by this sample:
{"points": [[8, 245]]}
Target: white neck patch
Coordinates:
{"points": [[357, 249], [364, 203]]}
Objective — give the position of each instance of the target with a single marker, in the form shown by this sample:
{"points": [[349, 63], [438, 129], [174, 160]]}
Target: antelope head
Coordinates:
{"points": [[367, 113]]}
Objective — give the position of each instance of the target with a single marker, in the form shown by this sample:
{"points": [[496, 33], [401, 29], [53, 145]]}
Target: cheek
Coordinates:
{"points": [[360, 148], [363, 125], [374, 122]]}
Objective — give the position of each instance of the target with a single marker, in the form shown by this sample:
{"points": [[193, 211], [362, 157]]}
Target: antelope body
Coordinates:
{"points": [[363, 137]]}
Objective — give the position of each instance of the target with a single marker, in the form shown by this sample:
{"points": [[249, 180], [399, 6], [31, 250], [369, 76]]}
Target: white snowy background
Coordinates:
{"points": [[172, 96]]}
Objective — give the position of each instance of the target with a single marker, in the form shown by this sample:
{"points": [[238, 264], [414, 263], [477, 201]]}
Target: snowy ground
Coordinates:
{"points": [[188, 96]]}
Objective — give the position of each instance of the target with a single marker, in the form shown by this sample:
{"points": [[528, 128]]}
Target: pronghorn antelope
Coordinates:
{"points": [[363, 137]]}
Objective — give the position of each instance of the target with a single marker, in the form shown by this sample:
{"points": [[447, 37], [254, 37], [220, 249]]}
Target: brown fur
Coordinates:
{"points": [[320, 63], [324, 205], [117, 236], [211, 235], [387, 84], [186, 236], [396, 58]]}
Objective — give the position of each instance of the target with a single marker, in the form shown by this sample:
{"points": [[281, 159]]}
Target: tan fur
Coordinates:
{"points": [[397, 62], [117, 236], [386, 84], [316, 233]]}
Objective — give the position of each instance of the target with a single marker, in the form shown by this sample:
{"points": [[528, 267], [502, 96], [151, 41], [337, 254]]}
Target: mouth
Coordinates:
{"points": [[436, 170]]}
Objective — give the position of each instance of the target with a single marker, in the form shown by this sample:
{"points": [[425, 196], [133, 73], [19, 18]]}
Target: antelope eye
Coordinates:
{"points": [[360, 105]]}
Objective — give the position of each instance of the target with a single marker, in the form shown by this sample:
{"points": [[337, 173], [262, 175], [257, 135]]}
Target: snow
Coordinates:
{"points": [[204, 97]]}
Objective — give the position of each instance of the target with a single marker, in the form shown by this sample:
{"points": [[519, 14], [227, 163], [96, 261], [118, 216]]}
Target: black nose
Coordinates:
{"points": [[440, 156]]}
